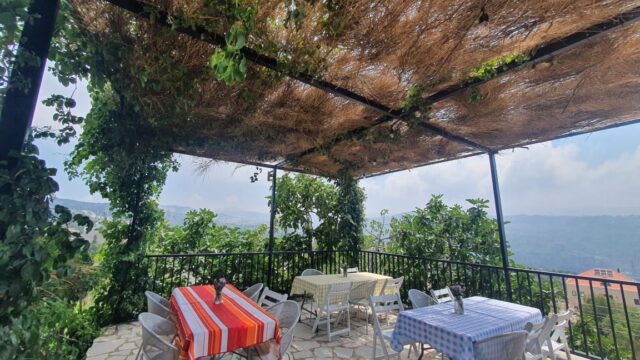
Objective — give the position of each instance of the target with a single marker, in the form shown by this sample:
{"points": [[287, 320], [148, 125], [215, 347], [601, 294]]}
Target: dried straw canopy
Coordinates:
{"points": [[391, 53]]}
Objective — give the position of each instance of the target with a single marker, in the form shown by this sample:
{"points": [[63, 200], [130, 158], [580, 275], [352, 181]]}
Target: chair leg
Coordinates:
{"points": [[139, 352], [348, 322], [366, 321], [566, 351], [316, 322], [329, 325]]}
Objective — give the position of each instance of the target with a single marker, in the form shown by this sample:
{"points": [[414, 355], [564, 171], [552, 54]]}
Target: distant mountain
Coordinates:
{"points": [[174, 214], [563, 243], [576, 243]]}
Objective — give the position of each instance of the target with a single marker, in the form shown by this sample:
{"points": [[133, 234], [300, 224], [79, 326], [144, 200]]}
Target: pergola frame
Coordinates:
{"points": [[19, 106]]}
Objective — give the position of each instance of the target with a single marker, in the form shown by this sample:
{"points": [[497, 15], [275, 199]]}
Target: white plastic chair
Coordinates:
{"points": [[336, 301], [157, 334], [253, 291], [311, 272], [288, 314], [384, 304], [420, 299], [538, 335], [270, 298], [359, 297], [158, 305], [557, 341], [392, 286], [509, 346], [442, 295]]}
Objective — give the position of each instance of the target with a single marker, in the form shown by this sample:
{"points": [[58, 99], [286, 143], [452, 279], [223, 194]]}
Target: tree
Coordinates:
{"points": [[438, 231], [306, 208], [377, 232], [350, 214], [317, 214]]}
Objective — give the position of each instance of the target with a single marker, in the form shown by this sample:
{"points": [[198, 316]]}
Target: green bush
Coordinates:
{"points": [[119, 294], [48, 330]]}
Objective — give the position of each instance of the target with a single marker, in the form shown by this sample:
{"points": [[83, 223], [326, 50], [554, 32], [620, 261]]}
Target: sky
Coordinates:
{"points": [[594, 174]]}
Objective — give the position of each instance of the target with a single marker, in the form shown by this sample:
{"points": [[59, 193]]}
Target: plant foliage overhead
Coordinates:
{"points": [[211, 99]]}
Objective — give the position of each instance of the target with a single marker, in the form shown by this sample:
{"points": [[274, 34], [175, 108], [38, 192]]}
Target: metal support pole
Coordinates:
{"points": [[19, 102], [272, 224], [500, 220]]}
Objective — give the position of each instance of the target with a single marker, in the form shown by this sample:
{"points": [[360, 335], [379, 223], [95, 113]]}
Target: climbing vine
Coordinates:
{"points": [[35, 240]]}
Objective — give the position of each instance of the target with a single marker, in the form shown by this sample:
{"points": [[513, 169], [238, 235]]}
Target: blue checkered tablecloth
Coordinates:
{"points": [[454, 335]]}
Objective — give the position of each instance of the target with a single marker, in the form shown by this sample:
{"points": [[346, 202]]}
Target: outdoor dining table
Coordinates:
{"points": [[453, 334], [207, 329], [318, 285]]}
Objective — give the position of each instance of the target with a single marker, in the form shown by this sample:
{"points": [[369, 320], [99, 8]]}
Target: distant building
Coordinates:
{"points": [[602, 286]]}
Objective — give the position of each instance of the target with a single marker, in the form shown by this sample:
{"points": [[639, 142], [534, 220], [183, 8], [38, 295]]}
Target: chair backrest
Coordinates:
{"points": [[420, 299], [253, 291], [562, 323], [288, 314], [154, 331], [158, 305], [363, 291], [311, 272], [337, 295], [442, 295], [270, 297], [509, 346], [352, 270], [539, 333], [392, 286], [384, 304]]}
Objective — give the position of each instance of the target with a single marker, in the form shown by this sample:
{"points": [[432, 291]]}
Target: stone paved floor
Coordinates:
{"points": [[121, 342]]}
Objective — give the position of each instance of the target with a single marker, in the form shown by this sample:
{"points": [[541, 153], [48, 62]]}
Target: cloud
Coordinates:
{"points": [[549, 178]]}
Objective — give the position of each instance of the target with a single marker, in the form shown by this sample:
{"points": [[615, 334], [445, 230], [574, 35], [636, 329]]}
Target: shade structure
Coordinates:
{"points": [[488, 75]]}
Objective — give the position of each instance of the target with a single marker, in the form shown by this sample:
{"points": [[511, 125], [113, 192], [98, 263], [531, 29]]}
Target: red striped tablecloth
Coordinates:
{"points": [[207, 329]]}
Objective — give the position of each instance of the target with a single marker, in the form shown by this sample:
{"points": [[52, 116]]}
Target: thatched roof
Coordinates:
{"points": [[581, 72]]}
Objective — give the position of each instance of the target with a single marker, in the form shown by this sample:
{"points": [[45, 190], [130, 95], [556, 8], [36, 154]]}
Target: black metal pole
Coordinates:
{"points": [[500, 220], [20, 101], [272, 224]]}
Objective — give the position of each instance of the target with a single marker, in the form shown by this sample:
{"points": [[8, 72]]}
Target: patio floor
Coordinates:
{"points": [[121, 342]]}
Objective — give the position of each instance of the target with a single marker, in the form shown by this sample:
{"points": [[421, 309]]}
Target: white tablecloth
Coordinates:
{"points": [[453, 334]]}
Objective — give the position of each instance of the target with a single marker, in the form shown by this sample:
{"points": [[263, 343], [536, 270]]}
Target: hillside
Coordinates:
{"points": [[174, 214], [563, 243]]}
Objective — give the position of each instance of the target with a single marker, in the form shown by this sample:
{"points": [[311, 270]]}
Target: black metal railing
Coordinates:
{"points": [[606, 321]]}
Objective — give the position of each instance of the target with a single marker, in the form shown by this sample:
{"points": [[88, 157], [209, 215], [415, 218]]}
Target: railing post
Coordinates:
{"points": [[272, 220], [19, 103], [500, 220]]}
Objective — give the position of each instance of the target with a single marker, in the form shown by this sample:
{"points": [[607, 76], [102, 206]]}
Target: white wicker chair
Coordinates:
{"points": [[253, 291], [311, 272], [538, 335], [336, 301], [442, 295], [558, 341], [157, 336], [420, 299], [359, 297], [270, 297], [158, 305], [288, 314], [308, 298], [392, 286], [509, 346]]}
